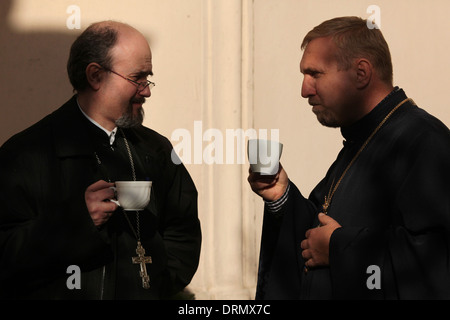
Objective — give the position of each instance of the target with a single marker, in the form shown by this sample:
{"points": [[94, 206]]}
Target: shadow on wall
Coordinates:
{"points": [[33, 77]]}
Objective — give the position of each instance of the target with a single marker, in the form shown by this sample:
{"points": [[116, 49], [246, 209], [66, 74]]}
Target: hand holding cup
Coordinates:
{"points": [[267, 177]]}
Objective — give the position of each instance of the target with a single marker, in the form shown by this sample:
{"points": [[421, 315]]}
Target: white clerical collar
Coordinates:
{"points": [[111, 134]]}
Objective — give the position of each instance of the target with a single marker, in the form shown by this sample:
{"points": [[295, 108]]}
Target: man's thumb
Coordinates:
{"points": [[324, 219]]}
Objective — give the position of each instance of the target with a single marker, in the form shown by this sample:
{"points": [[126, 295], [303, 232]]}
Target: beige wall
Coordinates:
{"points": [[230, 64]]}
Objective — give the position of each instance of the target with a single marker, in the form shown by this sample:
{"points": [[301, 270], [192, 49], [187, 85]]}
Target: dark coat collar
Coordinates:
{"points": [[70, 133], [361, 130]]}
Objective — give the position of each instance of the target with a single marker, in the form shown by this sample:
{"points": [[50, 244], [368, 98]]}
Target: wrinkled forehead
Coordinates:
{"points": [[320, 52]]}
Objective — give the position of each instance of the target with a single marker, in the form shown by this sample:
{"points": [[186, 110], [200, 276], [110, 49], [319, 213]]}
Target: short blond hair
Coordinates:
{"points": [[354, 39]]}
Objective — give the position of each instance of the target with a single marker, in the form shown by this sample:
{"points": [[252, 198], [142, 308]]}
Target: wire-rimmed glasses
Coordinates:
{"points": [[140, 85]]}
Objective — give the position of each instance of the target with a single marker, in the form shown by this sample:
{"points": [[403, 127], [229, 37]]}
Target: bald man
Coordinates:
{"points": [[61, 236]]}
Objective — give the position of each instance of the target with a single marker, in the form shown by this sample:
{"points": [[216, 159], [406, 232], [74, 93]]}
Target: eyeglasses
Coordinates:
{"points": [[140, 85]]}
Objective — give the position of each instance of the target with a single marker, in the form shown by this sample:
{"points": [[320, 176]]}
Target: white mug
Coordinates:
{"points": [[264, 156], [132, 195]]}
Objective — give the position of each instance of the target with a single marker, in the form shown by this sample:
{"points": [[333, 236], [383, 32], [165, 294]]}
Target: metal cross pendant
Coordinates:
{"points": [[142, 260]]}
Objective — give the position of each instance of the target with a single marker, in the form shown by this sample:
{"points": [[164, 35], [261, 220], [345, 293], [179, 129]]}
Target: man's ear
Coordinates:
{"points": [[94, 75], [364, 71]]}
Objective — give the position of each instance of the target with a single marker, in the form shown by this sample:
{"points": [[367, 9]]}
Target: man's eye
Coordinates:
{"points": [[139, 78]]}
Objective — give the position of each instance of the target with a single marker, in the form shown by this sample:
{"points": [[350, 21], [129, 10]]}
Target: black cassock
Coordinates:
{"points": [[45, 226], [394, 208]]}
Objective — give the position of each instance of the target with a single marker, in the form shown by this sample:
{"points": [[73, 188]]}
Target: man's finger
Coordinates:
{"points": [[325, 219], [100, 195], [310, 264], [308, 233], [101, 184], [306, 254], [110, 206], [304, 244]]}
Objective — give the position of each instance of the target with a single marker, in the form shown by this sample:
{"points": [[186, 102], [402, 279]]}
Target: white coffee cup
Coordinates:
{"points": [[264, 156], [132, 195]]}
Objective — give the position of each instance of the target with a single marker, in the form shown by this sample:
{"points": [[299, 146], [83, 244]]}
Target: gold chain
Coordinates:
{"points": [[330, 195], [136, 232]]}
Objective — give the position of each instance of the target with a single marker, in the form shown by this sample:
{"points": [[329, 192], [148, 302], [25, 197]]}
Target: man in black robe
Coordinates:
{"points": [[378, 225], [56, 217]]}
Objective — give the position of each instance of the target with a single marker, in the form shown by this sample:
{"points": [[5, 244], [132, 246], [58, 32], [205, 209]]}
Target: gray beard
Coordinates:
{"points": [[128, 120]]}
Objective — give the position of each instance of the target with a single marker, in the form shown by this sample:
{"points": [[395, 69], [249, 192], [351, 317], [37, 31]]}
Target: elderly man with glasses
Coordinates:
{"points": [[56, 187]]}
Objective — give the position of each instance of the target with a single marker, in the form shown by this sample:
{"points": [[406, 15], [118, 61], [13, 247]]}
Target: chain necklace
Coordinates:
{"points": [[137, 232], [332, 190], [141, 259]]}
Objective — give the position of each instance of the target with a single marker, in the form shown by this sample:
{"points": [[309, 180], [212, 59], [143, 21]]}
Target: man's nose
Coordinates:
{"points": [[308, 87], [146, 92]]}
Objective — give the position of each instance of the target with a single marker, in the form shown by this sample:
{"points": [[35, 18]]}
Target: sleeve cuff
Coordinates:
{"points": [[277, 205]]}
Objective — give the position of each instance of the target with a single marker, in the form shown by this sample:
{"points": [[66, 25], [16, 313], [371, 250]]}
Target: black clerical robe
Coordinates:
{"points": [[45, 226], [394, 208]]}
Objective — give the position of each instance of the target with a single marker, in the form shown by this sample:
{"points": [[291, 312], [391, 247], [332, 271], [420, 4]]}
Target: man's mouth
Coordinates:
{"points": [[139, 102], [313, 103]]}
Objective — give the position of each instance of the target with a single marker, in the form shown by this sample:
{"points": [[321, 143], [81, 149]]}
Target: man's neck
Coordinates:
{"points": [[378, 94]]}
